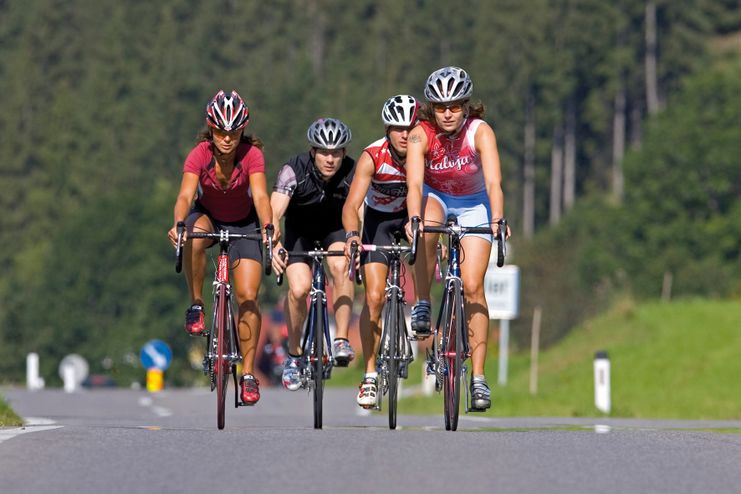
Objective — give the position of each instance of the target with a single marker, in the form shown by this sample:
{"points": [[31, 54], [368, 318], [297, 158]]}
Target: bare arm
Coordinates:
{"points": [[364, 170], [188, 188], [486, 145], [279, 204], [259, 190], [415, 170]]}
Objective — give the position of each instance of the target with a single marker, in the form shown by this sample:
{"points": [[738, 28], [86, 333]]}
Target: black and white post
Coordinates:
{"points": [[602, 382]]}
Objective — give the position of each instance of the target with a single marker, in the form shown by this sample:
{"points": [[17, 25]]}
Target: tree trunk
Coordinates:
{"points": [[636, 123], [652, 85], [618, 144], [317, 36], [569, 156], [556, 174], [528, 206]]}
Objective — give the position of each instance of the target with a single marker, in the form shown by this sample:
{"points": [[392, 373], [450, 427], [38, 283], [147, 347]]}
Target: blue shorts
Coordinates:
{"points": [[470, 210]]}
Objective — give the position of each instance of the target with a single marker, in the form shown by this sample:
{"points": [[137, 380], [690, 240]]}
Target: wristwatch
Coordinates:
{"points": [[351, 234]]}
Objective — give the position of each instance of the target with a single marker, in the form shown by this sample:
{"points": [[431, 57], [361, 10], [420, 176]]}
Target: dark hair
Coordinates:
{"points": [[205, 135], [474, 110]]}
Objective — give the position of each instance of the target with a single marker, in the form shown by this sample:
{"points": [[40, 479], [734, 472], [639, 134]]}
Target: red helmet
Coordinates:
{"points": [[227, 112]]}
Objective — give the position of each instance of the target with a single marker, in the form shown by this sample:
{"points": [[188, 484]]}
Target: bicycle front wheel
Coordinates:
{"points": [[317, 358], [221, 364], [453, 350], [392, 335]]}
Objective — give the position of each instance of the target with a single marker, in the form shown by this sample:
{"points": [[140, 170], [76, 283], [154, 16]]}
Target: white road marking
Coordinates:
{"points": [[32, 424]]}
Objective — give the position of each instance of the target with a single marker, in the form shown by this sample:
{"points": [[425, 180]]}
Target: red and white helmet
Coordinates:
{"points": [[227, 112], [400, 111], [448, 84]]}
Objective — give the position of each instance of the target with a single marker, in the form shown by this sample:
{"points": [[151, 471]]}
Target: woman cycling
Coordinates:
{"points": [[226, 170], [453, 168]]}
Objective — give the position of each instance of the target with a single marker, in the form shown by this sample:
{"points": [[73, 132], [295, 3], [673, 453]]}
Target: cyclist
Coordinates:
{"points": [[380, 183], [310, 191], [453, 168], [226, 171]]}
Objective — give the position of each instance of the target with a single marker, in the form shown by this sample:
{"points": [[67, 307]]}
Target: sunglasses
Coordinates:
{"points": [[453, 107]]}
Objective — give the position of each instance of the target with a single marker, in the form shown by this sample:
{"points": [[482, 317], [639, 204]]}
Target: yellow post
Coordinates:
{"points": [[155, 380]]}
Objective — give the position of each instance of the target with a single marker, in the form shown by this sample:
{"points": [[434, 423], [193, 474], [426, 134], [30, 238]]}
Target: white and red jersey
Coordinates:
{"points": [[388, 188], [452, 165]]}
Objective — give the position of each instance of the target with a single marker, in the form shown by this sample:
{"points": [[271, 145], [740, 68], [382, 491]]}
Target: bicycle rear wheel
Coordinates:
{"points": [[318, 362], [453, 349], [221, 365], [393, 354]]}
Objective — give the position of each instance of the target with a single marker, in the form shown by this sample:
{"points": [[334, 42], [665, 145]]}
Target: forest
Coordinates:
{"points": [[618, 126]]}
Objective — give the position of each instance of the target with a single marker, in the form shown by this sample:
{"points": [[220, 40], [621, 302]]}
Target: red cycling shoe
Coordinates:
{"points": [[195, 321], [250, 389]]}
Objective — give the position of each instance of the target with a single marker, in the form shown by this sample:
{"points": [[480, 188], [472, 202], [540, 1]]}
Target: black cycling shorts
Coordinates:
{"points": [[379, 229], [302, 237], [238, 249]]}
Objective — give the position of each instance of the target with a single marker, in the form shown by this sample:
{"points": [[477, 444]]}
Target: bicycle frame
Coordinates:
{"points": [[316, 346], [222, 352], [394, 352], [450, 347]]}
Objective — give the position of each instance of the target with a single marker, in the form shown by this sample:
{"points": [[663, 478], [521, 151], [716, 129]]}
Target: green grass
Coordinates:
{"points": [[679, 360], [8, 418]]}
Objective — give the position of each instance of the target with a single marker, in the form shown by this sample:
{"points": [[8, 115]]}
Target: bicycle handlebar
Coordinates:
{"points": [[179, 247], [353, 272], [225, 236], [455, 229], [415, 237], [284, 254]]}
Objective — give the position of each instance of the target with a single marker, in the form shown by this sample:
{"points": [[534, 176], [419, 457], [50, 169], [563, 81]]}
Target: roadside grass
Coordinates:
{"points": [[678, 360], [8, 418]]}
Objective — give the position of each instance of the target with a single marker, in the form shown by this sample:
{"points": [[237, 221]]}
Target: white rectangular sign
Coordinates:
{"points": [[502, 287]]}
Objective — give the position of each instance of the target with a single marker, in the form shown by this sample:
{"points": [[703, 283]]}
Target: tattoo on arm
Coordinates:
{"points": [[415, 138]]}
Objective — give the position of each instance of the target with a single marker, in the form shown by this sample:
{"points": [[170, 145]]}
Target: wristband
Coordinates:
{"points": [[351, 234]]}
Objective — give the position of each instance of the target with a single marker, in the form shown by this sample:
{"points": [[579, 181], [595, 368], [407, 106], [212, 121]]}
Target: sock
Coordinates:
{"points": [[479, 378], [373, 375]]}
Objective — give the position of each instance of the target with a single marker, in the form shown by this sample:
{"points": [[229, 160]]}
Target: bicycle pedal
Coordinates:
{"points": [[476, 410], [341, 361], [243, 404]]}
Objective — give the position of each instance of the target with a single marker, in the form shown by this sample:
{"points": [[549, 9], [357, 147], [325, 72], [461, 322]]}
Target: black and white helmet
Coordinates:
{"points": [[400, 111], [329, 133], [448, 84]]}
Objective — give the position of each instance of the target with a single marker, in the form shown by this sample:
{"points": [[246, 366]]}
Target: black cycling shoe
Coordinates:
{"points": [[421, 318]]}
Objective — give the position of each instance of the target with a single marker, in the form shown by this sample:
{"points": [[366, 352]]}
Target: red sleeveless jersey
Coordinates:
{"points": [[452, 165], [388, 188]]}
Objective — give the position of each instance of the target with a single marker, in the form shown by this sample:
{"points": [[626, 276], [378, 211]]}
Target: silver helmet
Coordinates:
{"points": [[448, 84], [329, 133]]}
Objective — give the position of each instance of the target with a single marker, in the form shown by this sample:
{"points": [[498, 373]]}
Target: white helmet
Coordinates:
{"points": [[329, 133], [400, 111], [448, 84]]}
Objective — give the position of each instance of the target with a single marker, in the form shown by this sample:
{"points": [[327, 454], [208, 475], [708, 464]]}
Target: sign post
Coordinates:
{"points": [[73, 369], [502, 287], [155, 356]]}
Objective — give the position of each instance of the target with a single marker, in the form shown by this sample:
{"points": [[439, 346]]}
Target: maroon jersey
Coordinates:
{"points": [[233, 202]]}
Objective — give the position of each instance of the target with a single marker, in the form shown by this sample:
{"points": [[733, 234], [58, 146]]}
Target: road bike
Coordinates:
{"points": [[222, 351], [450, 347], [395, 350], [316, 357]]}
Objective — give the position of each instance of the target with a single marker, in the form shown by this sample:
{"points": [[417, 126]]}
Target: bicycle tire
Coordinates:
{"points": [[221, 365], [393, 360], [453, 349], [318, 363]]}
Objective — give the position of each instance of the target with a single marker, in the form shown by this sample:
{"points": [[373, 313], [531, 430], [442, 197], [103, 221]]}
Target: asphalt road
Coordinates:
{"points": [[124, 441]]}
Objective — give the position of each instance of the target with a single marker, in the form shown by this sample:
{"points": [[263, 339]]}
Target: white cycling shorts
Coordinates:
{"points": [[471, 210]]}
